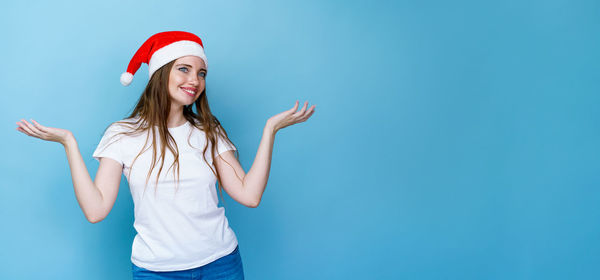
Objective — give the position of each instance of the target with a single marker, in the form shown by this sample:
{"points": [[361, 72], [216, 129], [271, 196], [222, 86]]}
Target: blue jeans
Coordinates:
{"points": [[225, 268]]}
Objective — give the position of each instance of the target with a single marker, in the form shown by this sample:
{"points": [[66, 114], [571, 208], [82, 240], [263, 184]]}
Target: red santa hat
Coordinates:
{"points": [[162, 48]]}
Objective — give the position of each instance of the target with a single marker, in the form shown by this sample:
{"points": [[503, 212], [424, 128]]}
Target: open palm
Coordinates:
{"points": [[290, 117], [37, 130]]}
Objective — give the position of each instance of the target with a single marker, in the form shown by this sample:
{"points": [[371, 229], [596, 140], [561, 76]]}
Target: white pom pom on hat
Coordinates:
{"points": [[126, 78], [160, 49]]}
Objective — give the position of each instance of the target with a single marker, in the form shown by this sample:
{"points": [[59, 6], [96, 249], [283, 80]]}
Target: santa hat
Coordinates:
{"points": [[162, 48]]}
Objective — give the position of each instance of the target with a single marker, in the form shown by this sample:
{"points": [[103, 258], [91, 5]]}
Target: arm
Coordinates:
{"points": [[248, 189], [96, 199], [255, 181]]}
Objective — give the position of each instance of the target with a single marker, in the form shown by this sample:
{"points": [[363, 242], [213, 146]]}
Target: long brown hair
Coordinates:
{"points": [[153, 110]]}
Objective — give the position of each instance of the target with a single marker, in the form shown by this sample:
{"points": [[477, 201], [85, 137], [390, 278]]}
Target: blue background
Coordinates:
{"points": [[451, 139]]}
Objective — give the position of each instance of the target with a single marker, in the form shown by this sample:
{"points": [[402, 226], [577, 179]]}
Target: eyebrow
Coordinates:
{"points": [[189, 66]]}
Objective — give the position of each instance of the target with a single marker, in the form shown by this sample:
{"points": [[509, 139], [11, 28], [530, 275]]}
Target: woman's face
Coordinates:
{"points": [[186, 80]]}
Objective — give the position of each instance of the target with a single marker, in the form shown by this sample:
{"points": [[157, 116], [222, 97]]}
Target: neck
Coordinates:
{"points": [[176, 116]]}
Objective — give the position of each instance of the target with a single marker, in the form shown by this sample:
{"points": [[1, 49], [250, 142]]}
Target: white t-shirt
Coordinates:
{"points": [[175, 230]]}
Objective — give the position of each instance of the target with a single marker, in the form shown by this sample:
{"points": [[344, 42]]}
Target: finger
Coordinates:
{"points": [[311, 110], [26, 126], [39, 126], [295, 107], [35, 129], [304, 107], [32, 129], [308, 113], [301, 112], [27, 130], [23, 131]]}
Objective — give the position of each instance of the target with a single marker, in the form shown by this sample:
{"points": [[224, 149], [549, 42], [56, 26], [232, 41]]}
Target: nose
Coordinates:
{"points": [[194, 80]]}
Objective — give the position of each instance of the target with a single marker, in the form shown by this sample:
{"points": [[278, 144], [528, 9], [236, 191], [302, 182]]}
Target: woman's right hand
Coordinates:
{"points": [[43, 132]]}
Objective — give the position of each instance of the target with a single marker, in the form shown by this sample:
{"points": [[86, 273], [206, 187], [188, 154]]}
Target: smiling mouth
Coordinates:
{"points": [[189, 92]]}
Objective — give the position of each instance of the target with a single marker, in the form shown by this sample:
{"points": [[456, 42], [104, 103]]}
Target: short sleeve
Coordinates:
{"points": [[110, 145], [223, 145]]}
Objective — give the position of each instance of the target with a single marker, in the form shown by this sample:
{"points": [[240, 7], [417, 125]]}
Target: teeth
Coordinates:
{"points": [[188, 91]]}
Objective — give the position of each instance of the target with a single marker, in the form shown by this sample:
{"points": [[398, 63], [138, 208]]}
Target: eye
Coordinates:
{"points": [[183, 68], [202, 74]]}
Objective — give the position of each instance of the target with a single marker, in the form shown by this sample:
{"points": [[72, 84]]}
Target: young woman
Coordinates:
{"points": [[181, 233]]}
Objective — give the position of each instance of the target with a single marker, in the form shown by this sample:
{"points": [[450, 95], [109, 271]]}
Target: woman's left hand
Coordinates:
{"points": [[289, 117]]}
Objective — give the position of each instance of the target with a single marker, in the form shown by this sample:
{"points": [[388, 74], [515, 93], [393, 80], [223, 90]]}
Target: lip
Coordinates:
{"points": [[190, 89]]}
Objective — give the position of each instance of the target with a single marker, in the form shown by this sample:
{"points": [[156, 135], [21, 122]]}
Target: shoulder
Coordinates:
{"points": [[119, 127], [125, 124]]}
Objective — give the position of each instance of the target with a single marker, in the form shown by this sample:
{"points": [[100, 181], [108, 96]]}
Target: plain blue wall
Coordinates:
{"points": [[451, 139]]}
